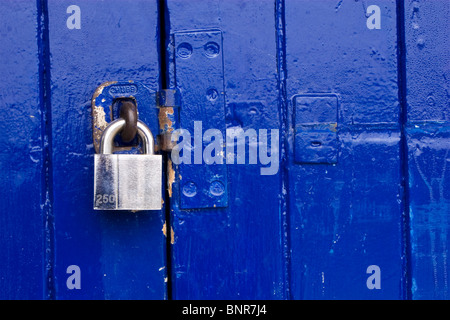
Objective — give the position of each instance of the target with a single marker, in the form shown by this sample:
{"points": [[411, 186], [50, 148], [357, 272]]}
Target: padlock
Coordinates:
{"points": [[127, 181]]}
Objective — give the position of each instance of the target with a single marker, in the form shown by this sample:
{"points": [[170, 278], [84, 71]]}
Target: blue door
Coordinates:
{"points": [[305, 155]]}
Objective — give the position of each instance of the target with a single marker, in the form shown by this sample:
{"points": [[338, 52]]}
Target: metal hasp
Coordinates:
{"points": [[316, 138], [110, 96], [127, 181], [199, 77]]}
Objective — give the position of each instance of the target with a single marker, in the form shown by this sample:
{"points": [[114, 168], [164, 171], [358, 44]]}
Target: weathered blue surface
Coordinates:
{"points": [[315, 128], [22, 159], [364, 140], [429, 182], [346, 216], [428, 137], [236, 251], [199, 69], [121, 255]]}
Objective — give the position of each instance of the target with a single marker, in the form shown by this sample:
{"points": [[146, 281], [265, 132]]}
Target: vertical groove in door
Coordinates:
{"points": [[163, 25], [284, 123], [46, 134], [401, 65]]}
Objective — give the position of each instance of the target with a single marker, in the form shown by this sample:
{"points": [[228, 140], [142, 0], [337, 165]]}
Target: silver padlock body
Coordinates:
{"points": [[127, 182]]}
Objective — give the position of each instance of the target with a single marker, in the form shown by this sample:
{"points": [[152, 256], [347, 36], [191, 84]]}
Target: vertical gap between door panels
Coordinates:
{"points": [[164, 25], [401, 65], [280, 27], [46, 135], [163, 37]]}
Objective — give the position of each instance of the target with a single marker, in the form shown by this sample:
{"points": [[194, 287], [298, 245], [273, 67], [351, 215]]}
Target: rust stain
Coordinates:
{"points": [[166, 127], [170, 177], [333, 127], [164, 120]]}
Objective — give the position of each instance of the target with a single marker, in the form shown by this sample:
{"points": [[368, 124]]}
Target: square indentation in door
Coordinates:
{"points": [[315, 139]]}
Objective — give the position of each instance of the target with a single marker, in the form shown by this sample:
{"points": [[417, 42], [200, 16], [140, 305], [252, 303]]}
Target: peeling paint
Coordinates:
{"points": [[172, 235], [100, 88], [164, 230], [99, 125], [164, 121], [170, 177], [166, 127], [98, 115]]}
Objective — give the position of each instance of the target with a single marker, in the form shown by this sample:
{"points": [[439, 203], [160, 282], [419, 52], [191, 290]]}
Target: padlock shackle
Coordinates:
{"points": [[107, 139]]}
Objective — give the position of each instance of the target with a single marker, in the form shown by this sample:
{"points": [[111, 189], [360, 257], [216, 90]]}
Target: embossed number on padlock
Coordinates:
{"points": [[127, 181]]}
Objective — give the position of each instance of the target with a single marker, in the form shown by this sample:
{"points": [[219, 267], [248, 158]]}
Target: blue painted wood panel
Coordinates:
{"points": [[121, 254], [345, 216], [428, 127], [22, 160], [233, 252], [429, 180]]}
